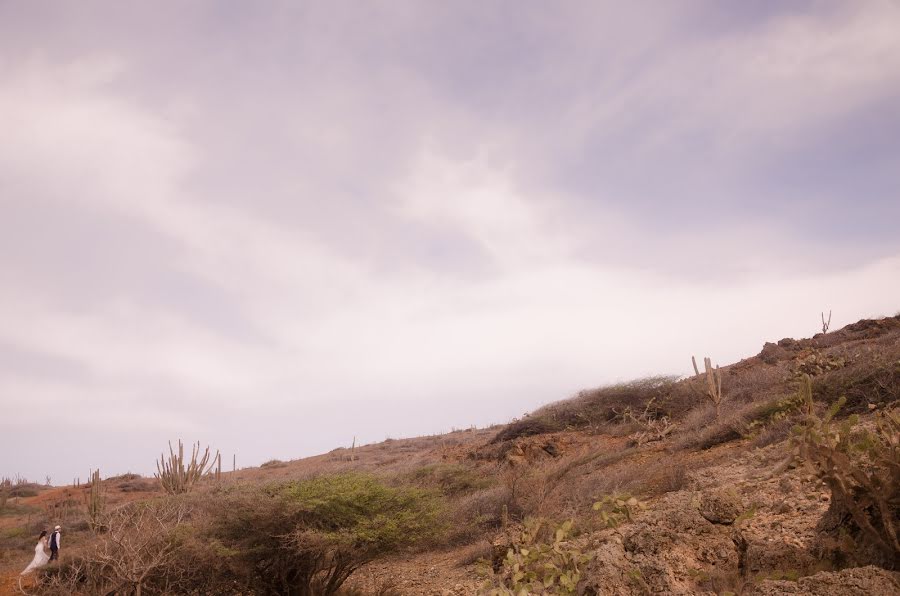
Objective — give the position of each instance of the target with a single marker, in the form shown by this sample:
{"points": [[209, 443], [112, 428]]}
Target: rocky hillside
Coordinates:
{"points": [[745, 480]]}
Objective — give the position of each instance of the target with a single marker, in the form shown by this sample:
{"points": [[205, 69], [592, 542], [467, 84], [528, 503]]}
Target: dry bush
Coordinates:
{"points": [[451, 479], [24, 489], [870, 381], [476, 514], [477, 552], [752, 383], [549, 487], [535, 424], [128, 477], [272, 463], [772, 433], [136, 553], [595, 408], [661, 477], [701, 429], [140, 545], [386, 587], [624, 478], [138, 485], [648, 425], [563, 487]]}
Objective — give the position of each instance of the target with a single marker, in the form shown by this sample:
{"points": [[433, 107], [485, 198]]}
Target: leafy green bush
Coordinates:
{"points": [[535, 566], [308, 537], [862, 470]]}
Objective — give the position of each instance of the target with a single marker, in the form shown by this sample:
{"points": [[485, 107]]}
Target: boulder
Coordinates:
{"points": [[720, 506]]}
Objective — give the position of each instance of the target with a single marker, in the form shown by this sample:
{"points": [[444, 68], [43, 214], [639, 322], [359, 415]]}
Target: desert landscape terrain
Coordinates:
{"points": [[778, 474]]}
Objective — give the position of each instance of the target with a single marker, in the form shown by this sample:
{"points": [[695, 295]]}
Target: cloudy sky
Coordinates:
{"points": [[274, 226]]}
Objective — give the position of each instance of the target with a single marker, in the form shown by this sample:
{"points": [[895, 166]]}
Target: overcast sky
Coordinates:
{"points": [[274, 226]]}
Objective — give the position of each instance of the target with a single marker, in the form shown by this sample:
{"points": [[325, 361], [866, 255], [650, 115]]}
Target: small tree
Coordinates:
{"points": [[306, 538], [139, 546], [137, 553]]}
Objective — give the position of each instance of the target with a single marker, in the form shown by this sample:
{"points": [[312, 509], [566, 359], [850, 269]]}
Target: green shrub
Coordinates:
{"points": [[535, 566], [308, 537]]}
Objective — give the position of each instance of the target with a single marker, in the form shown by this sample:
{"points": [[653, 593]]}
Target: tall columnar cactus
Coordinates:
{"points": [[713, 384], [174, 476], [95, 502]]}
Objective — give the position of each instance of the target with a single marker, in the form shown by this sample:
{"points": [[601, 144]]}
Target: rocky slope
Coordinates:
{"points": [[723, 507]]}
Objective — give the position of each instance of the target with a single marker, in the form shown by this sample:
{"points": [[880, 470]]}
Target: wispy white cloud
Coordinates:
{"points": [[445, 219]]}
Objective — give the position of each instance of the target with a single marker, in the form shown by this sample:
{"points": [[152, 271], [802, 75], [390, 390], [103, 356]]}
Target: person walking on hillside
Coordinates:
{"points": [[40, 555], [54, 544]]}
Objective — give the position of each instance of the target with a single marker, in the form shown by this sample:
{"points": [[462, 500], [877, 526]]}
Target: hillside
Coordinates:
{"points": [[644, 487]]}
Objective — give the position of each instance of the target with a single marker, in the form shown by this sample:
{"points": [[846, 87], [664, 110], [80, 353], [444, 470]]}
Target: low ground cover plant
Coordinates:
{"points": [[535, 564]]}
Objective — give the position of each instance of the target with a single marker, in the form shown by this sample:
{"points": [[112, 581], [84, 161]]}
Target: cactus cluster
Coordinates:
{"points": [[533, 565], [861, 467], [176, 477]]}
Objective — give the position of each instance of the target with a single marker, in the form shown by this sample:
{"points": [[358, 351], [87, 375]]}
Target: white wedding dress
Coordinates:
{"points": [[40, 557]]}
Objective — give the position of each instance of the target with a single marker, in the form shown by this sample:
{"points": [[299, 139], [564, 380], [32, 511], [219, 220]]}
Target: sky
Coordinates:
{"points": [[272, 227]]}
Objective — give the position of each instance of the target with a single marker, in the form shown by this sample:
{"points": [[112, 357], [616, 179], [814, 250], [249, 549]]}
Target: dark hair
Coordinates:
{"points": [[43, 533]]}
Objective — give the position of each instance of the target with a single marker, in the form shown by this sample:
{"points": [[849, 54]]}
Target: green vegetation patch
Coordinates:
{"points": [[308, 537]]}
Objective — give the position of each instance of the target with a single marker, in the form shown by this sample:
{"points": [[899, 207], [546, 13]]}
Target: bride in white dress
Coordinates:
{"points": [[40, 555]]}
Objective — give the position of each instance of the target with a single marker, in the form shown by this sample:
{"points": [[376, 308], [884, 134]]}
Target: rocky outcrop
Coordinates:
{"points": [[720, 506], [859, 581], [666, 550]]}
